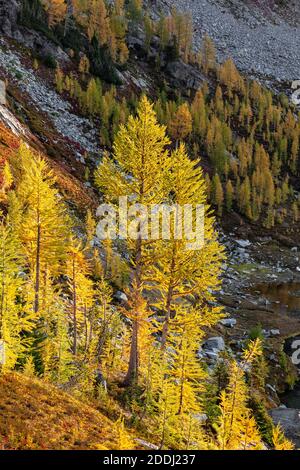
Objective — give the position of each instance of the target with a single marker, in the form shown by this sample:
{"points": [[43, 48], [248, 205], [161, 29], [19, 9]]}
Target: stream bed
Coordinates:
{"points": [[282, 298]]}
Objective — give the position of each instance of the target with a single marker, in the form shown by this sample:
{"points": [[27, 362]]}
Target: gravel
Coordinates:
{"points": [[263, 42], [72, 127]]}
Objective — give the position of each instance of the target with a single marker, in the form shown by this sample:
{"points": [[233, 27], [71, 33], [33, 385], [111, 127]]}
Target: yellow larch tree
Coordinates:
{"points": [[237, 429], [280, 442], [16, 318], [81, 295], [43, 224], [208, 55], [56, 10], [181, 124], [136, 170], [181, 272]]}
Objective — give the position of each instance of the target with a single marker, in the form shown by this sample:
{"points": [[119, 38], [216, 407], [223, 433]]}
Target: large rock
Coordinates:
{"points": [[211, 349], [9, 10], [289, 419], [121, 296], [42, 46], [275, 332], [243, 243], [228, 322], [184, 75], [201, 418], [214, 344], [212, 355]]}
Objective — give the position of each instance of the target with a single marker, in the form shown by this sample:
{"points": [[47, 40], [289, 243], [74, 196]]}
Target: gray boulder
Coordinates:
{"points": [[289, 420], [228, 322], [275, 332], [212, 355], [243, 243], [201, 418], [184, 75], [214, 344], [121, 296], [9, 10], [100, 380]]}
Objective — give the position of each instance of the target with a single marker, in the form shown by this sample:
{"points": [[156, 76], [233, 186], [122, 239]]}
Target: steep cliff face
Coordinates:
{"points": [[263, 37], [9, 10]]}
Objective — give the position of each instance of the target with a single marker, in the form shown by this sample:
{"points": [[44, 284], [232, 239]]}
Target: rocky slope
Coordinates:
{"points": [[263, 37], [257, 37], [72, 127]]}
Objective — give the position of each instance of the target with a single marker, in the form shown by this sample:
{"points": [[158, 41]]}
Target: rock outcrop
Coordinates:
{"points": [[9, 11], [184, 75], [262, 37], [78, 131], [289, 420]]}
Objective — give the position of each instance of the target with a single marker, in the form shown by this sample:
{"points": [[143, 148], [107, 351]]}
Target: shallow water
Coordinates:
{"points": [[291, 399], [283, 298]]}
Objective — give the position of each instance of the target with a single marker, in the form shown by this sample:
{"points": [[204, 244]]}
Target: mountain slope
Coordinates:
{"points": [[38, 416], [71, 132], [263, 37]]}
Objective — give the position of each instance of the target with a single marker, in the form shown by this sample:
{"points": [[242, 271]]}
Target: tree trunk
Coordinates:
{"points": [[133, 367], [162, 442], [102, 335], [37, 271], [165, 330], [86, 331], [168, 305], [74, 311], [181, 376]]}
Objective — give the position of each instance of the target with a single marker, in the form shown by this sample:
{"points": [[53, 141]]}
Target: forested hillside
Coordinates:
{"points": [[112, 99]]}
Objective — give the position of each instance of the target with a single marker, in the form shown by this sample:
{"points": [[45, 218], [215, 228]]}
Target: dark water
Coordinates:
{"points": [[283, 298], [291, 399]]}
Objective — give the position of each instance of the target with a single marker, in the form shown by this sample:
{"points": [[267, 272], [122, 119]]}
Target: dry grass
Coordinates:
{"points": [[35, 415]]}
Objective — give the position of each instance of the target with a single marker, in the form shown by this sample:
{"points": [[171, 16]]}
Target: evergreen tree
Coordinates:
{"points": [[279, 440], [181, 124], [229, 195], [237, 429], [44, 223], [217, 193], [81, 293], [139, 151], [15, 317], [208, 55], [181, 272]]}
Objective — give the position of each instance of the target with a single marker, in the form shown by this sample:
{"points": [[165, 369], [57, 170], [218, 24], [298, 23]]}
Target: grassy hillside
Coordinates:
{"points": [[35, 415]]}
